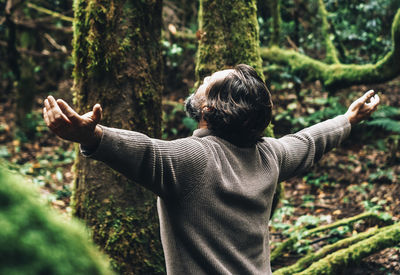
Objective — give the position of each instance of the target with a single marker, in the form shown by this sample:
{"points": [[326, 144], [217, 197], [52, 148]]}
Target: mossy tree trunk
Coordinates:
{"points": [[117, 57], [229, 35], [274, 6]]}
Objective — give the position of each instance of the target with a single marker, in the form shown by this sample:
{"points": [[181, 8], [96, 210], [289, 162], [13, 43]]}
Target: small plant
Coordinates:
{"points": [[382, 175], [33, 127], [317, 181]]}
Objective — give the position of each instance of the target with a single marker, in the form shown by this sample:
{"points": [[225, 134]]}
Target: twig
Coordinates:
{"points": [[292, 44], [35, 24], [55, 44], [50, 12], [44, 53]]}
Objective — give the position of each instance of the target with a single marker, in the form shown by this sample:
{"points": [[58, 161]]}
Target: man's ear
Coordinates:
{"points": [[205, 109]]}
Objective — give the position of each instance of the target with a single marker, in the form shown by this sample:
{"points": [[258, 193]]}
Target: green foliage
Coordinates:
{"points": [[43, 168], [386, 118], [382, 175], [279, 215], [362, 28], [299, 235], [64, 193], [172, 53], [175, 122], [317, 180], [34, 240], [319, 109], [329, 108], [33, 127]]}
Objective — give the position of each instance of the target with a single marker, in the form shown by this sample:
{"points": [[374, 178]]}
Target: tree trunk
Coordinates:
{"points": [[228, 33], [274, 6], [117, 57]]}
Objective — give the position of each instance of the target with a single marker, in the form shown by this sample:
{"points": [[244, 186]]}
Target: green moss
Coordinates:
{"points": [[307, 260], [118, 63], [289, 243], [338, 261], [336, 76], [229, 36], [35, 240], [275, 7], [331, 54]]}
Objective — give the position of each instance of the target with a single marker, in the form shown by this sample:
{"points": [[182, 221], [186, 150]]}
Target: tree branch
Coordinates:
{"points": [[44, 53], [35, 24], [336, 76], [50, 12]]}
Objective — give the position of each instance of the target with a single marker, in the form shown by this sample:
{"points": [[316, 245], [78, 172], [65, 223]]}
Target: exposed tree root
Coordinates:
{"points": [[338, 261], [289, 243]]}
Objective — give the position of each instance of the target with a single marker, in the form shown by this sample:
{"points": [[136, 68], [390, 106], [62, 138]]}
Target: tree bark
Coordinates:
{"points": [[229, 35], [118, 64]]}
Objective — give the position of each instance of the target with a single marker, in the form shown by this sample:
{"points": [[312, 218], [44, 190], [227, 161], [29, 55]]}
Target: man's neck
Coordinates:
{"points": [[202, 124]]}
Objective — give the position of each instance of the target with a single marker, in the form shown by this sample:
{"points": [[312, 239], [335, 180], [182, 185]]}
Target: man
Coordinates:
{"points": [[215, 188]]}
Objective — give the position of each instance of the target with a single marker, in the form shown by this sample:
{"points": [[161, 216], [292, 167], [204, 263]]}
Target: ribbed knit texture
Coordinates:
{"points": [[215, 198]]}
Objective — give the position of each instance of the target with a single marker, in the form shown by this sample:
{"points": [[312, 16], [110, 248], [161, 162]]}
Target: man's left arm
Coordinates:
{"points": [[297, 152]]}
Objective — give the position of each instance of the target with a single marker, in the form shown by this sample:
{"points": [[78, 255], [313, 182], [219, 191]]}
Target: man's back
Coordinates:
{"points": [[215, 198], [221, 226]]}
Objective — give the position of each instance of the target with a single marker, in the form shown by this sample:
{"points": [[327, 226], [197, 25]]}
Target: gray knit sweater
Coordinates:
{"points": [[215, 198]]}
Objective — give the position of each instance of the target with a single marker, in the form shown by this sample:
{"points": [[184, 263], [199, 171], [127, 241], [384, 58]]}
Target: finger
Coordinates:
{"points": [[367, 96], [68, 111], [359, 103], [49, 110], [55, 115], [52, 101], [377, 100], [96, 114], [55, 109], [46, 117]]}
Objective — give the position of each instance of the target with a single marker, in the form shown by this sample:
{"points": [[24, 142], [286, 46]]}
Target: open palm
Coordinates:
{"points": [[69, 125]]}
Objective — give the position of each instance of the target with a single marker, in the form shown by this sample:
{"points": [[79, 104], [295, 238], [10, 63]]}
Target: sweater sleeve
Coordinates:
{"points": [[297, 152], [167, 168]]}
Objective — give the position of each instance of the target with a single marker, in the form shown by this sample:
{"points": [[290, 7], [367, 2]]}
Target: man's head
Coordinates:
{"points": [[235, 104]]}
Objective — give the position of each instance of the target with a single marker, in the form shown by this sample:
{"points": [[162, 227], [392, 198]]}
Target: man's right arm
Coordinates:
{"points": [[168, 168]]}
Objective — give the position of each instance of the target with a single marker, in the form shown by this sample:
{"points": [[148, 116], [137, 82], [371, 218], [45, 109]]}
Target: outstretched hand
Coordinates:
{"points": [[69, 125], [363, 107]]}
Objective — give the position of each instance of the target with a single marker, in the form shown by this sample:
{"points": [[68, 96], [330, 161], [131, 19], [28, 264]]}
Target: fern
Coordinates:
{"points": [[387, 124], [387, 111], [387, 118]]}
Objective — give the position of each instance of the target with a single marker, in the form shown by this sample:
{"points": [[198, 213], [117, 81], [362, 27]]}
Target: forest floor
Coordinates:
{"points": [[362, 175]]}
